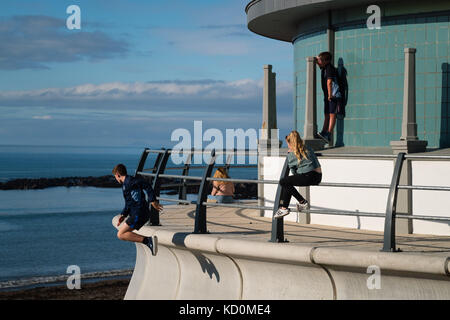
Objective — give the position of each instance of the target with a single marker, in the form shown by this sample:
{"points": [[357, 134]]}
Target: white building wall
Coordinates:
{"points": [[431, 203], [366, 171]]}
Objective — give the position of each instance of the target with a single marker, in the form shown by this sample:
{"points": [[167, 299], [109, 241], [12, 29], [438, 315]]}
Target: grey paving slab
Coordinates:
{"points": [[246, 224]]}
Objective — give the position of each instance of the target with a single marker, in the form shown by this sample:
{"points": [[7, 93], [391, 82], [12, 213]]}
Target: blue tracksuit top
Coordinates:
{"points": [[133, 193]]}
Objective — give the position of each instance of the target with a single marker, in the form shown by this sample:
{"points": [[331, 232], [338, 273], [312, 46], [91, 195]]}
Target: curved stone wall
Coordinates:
{"points": [[207, 267]]}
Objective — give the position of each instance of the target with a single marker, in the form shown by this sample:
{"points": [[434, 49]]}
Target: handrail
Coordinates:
{"points": [[277, 233], [205, 151], [324, 184], [154, 214], [427, 157], [234, 166], [391, 207], [171, 185], [176, 176], [182, 191], [431, 188], [283, 152], [200, 211], [331, 212]]}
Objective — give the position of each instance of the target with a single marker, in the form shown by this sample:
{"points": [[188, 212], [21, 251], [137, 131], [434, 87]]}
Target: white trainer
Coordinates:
{"points": [[302, 206], [281, 213]]}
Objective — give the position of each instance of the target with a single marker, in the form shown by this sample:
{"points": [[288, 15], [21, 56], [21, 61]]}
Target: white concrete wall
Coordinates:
{"points": [[365, 171], [352, 199], [208, 267], [432, 203]]}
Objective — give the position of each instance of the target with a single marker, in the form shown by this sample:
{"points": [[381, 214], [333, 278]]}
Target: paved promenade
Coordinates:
{"points": [[246, 224]]}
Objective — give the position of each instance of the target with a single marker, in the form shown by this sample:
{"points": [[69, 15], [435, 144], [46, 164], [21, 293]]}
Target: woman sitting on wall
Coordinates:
{"points": [[306, 171]]}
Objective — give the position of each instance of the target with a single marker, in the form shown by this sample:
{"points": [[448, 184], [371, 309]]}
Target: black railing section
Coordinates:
{"points": [[389, 222], [277, 232]]}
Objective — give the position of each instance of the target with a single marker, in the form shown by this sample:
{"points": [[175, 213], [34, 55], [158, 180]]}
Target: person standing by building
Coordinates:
{"points": [[331, 92]]}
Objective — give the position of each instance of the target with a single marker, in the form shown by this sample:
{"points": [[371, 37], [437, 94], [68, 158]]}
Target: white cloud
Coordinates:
{"points": [[35, 41], [47, 117], [146, 111], [243, 89]]}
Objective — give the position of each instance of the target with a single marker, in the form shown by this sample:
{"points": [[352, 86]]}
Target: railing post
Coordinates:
{"points": [[141, 164], [142, 160], [183, 188], [200, 210], [155, 166], [160, 167], [227, 163], [277, 234], [391, 208]]}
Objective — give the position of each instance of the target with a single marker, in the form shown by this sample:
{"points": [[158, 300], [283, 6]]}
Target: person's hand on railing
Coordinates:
{"points": [[157, 206]]}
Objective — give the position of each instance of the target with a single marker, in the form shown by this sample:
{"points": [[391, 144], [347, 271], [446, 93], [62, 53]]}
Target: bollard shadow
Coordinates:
{"points": [[206, 264], [444, 138], [343, 85]]}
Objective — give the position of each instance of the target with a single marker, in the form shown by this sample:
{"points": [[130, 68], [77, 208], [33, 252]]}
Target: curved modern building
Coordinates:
{"points": [[373, 60]]}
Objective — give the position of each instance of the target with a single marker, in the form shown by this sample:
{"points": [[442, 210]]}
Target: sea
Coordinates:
{"points": [[44, 233]]}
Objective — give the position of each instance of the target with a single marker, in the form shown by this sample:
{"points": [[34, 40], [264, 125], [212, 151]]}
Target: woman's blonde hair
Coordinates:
{"points": [[222, 174], [298, 145]]}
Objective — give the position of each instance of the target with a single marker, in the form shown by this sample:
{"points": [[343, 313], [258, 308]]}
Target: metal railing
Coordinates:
{"points": [[277, 231]]}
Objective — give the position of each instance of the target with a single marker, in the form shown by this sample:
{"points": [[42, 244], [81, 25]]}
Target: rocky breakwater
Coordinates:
{"points": [[242, 190]]}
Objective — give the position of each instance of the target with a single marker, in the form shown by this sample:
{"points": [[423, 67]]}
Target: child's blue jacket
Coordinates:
{"points": [[133, 193]]}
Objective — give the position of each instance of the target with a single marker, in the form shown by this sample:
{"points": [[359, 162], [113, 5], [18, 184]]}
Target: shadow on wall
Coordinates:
{"points": [[343, 85], [444, 139], [206, 264]]}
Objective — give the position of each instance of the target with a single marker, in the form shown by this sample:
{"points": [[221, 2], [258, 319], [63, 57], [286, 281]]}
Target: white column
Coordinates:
{"points": [[268, 140]]}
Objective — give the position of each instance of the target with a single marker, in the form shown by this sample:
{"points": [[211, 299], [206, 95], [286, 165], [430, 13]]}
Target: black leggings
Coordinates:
{"points": [[306, 179]]}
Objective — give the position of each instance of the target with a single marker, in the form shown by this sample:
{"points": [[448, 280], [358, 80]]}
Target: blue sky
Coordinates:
{"points": [[136, 71]]}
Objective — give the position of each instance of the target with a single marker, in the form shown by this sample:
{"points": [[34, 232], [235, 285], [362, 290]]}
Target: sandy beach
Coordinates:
{"points": [[101, 290]]}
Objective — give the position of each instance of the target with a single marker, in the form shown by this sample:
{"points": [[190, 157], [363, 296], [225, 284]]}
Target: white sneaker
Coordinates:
{"points": [[281, 213], [302, 206]]}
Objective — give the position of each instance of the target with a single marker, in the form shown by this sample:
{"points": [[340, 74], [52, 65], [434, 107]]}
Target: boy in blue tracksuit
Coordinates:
{"points": [[136, 207]]}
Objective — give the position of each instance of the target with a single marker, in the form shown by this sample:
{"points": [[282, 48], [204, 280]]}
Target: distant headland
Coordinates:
{"points": [[242, 190]]}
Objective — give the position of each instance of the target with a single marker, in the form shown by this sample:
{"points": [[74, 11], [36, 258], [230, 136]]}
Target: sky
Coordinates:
{"points": [[134, 72]]}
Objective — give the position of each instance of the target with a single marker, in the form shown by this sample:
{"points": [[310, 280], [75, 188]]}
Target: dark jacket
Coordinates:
{"points": [[133, 193], [330, 72]]}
